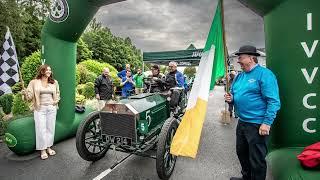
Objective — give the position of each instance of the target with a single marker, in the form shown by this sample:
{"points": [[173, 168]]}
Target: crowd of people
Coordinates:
{"points": [[134, 84], [254, 94]]}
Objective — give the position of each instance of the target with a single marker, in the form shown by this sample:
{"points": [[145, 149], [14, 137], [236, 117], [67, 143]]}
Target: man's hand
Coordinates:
{"points": [[97, 96], [264, 130], [228, 97]]}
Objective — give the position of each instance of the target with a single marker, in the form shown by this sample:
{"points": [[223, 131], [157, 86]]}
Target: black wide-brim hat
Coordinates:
{"points": [[250, 50]]}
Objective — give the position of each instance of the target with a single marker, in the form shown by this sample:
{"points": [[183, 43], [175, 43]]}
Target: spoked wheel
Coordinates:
{"points": [[90, 145], [165, 161]]}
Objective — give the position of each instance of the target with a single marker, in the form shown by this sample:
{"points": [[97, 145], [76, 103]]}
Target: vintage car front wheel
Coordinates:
{"points": [[89, 142], [165, 161]]}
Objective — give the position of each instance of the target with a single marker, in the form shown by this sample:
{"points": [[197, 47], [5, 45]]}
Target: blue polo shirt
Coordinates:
{"points": [[256, 96], [126, 88]]}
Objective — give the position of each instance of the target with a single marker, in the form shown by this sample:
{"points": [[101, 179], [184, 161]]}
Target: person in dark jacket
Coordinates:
{"points": [[156, 80], [103, 88], [174, 78]]}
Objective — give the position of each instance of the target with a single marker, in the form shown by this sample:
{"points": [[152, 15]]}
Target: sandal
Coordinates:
{"points": [[44, 155], [51, 152]]}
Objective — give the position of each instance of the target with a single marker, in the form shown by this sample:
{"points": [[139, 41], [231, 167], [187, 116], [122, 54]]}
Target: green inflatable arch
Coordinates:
{"points": [[68, 19], [292, 33]]}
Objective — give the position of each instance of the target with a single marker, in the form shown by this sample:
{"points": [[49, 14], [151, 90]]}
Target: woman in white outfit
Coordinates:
{"points": [[45, 95]]}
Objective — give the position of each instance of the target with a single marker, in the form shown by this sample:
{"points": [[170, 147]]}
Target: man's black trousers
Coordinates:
{"points": [[251, 150]]}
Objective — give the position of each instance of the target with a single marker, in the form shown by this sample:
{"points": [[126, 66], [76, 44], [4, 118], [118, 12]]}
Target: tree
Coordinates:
{"points": [[10, 16], [190, 71], [108, 48], [83, 51], [25, 19]]}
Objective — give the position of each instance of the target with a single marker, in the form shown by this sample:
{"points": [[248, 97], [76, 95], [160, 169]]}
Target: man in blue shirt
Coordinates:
{"points": [[255, 95]]}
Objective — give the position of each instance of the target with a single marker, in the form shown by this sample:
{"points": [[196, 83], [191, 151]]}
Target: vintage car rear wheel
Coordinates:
{"points": [[88, 139], [165, 161]]}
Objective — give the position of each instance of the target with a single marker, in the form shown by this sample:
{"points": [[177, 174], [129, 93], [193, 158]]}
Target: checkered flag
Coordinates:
{"points": [[9, 73]]}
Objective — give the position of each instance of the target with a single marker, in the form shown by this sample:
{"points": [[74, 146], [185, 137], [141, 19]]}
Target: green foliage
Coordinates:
{"points": [[87, 90], [10, 15], [89, 70], [91, 77], [20, 107], [83, 51], [84, 75], [30, 67], [80, 89], [25, 19], [16, 88], [6, 103], [80, 99], [190, 71], [97, 67], [77, 76], [3, 125], [111, 49]]}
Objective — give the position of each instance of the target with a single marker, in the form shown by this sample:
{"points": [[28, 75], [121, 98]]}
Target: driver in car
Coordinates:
{"points": [[156, 81]]}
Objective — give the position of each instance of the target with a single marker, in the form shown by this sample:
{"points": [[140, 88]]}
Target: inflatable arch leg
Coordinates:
{"points": [[68, 19], [292, 31]]}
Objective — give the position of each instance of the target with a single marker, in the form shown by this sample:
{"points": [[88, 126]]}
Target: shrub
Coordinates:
{"points": [[97, 67], [80, 99], [88, 90], [85, 75], [3, 125], [91, 77], [83, 51], [19, 105], [80, 89], [30, 67], [77, 76], [16, 88], [6, 103]]}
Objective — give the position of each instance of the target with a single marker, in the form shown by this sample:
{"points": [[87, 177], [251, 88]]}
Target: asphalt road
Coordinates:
{"points": [[216, 158]]}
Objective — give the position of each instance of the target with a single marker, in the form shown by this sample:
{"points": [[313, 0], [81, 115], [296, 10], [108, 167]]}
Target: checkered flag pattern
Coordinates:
{"points": [[9, 74]]}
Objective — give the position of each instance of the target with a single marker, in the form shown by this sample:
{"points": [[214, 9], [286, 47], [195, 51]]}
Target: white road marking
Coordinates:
{"points": [[107, 171], [103, 174]]}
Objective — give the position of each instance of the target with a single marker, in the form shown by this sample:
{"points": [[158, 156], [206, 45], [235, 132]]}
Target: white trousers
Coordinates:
{"points": [[45, 121]]}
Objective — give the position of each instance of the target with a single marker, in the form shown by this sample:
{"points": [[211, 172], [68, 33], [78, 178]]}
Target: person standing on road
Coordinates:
{"points": [[103, 88], [44, 93], [255, 95]]}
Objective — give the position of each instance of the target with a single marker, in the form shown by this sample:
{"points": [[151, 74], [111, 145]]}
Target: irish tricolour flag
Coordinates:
{"points": [[211, 67]]}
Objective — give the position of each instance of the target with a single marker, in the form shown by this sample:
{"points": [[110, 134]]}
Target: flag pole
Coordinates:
{"points": [[226, 118], [225, 47], [20, 77]]}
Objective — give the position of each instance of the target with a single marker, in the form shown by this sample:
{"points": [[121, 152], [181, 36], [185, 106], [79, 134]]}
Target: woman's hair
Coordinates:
{"points": [[42, 71]]}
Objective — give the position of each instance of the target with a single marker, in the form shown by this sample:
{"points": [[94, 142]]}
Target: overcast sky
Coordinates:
{"points": [[166, 25]]}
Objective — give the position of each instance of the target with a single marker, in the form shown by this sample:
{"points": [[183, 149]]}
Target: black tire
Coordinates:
{"points": [[165, 161], [86, 146]]}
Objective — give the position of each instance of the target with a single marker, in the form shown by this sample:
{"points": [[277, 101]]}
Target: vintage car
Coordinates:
{"points": [[134, 125]]}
